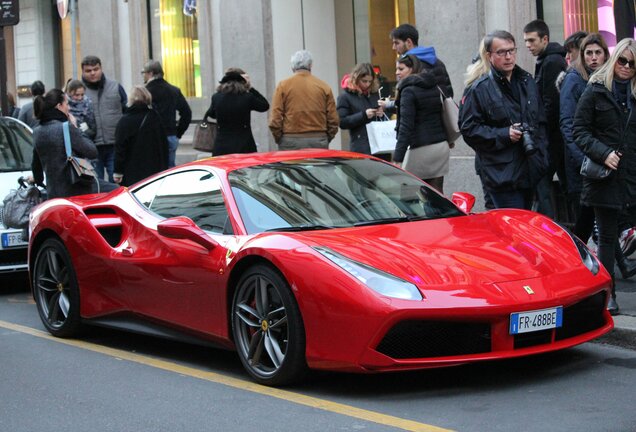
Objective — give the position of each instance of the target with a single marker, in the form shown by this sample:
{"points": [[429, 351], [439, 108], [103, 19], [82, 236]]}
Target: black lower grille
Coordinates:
{"points": [[420, 339], [11, 257], [525, 340], [582, 317]]}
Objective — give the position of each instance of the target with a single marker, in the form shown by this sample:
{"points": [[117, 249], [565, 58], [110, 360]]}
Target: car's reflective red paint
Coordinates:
{"points": [[471, 268]]}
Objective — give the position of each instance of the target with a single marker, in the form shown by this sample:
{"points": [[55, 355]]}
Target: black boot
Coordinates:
{"points": [[612, 306]]}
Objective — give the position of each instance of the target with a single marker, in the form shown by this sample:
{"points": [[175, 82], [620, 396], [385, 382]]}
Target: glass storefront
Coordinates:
{"points": [[175, 42], [373, 21]]}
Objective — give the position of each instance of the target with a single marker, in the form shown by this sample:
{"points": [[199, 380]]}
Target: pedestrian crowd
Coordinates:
{"points": [[571, 118]]}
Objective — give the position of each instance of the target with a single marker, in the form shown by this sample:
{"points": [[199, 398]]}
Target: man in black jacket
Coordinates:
{"points": [[550, 63], [167, 100], [501, 117]]}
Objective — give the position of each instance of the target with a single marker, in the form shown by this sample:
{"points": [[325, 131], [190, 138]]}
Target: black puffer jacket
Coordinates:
{"points": [[442, 79], [600, 127], [419, 114], [352, 107]]}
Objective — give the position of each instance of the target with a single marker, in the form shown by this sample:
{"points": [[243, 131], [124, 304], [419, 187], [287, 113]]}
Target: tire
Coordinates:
{"points": [[55, 289], [268, 329]]}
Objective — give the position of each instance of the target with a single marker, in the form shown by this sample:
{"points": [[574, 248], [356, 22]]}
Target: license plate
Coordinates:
{"points": [[12, 239], [525, 322]]}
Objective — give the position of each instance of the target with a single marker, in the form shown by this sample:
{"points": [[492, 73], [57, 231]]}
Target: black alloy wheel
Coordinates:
{"points": [[55, 289], [268, 328]]}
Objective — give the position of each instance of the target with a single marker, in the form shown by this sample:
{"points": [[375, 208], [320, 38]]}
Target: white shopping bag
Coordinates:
{"points": [[382, 136]]}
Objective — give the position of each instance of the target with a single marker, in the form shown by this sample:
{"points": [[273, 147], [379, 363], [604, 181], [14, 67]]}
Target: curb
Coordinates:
{"points": [[623, 335]]}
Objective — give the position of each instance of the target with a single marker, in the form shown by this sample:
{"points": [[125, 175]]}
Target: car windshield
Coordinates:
{"points": [[16, 146], [328, 193]]}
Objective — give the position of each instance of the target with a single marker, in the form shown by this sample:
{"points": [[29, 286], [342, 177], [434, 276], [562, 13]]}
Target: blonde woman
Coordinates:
{"points": [[141, 145], [605, 131]]}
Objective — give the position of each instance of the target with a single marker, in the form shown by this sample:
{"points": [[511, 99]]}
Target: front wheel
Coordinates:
{"points": [[55, 289], [268, 328]]}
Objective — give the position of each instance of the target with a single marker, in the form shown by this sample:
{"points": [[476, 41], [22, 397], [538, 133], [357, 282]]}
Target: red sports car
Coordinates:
{"points": [[314, 259]]}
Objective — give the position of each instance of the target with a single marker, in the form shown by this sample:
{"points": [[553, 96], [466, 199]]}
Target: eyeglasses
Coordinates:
{"points": [[504, 53], [624, 62]]}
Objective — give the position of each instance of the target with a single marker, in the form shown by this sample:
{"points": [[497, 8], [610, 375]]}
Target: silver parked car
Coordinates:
{"points": [[16, 152]]}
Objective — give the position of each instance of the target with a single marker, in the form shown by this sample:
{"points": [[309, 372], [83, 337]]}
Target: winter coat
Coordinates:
{"points": [[419, 114], [550, 63], [109, 102], [49, 156], [485, 116], [26, 115], [600, 127], [571, 90], [434, 65], [168, 101], [232, 112], [352, 106], [141, 146]]}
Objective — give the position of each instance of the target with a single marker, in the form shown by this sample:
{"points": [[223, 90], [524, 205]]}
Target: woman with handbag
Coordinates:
{"points": [[141, 144], [49, 153], [420, 128], [605, 130], [231, 106], [358, 105]]}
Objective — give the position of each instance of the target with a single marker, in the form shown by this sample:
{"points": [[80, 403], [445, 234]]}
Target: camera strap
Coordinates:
{"points": [[503, 100]]}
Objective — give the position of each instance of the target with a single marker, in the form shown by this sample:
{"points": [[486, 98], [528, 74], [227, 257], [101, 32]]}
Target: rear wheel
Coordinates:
{"points": [[55, 289], [268, 328]]}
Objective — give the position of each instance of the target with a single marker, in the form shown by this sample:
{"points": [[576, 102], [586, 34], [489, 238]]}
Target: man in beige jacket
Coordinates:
{"points": [[303, 113]]}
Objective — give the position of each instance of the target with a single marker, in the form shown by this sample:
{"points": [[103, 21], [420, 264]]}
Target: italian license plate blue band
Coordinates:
{"points": [[530, 321], [12, 240]]}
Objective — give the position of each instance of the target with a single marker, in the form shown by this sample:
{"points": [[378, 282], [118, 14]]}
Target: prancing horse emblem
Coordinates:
{"points": [[528, 289]]}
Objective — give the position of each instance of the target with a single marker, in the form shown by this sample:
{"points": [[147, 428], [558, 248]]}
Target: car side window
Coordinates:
{"points": [[195, 194]]}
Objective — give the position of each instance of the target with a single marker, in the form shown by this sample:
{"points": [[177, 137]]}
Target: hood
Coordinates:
{"points": [[344, 83], [481, 256], [553, 48], [425, 54]]}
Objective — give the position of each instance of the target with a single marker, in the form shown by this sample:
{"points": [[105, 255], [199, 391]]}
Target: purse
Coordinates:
{"points": [[18, 203], [450, 117], [593, 170], [204, 136], [382, 137], [81, 170]]}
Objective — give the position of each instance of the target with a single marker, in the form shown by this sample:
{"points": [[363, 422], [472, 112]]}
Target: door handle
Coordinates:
{"points": [[127, 251]]}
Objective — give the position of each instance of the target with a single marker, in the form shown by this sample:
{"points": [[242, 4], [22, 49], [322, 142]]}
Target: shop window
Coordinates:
{"points": [[175, 41], [374, 20]]}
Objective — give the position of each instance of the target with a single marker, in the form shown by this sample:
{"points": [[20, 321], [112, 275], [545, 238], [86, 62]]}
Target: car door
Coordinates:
{"points": [[181, 281]]}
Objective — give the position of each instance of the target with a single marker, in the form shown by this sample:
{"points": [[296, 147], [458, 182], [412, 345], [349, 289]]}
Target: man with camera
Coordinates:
{"points": [[501, 117]]}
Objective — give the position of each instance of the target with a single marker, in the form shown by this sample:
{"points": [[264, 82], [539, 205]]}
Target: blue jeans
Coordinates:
{"points": [[173, 143], [106, 160]]}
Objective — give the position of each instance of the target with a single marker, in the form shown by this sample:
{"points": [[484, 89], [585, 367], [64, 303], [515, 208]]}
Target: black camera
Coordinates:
{"points": [[529, 147]]}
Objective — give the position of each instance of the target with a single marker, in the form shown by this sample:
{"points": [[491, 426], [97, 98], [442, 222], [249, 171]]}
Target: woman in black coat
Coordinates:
{"points": [[605, 131], [358, 105], [49, 152], [231, 106], [420, 128], [141, 145]]}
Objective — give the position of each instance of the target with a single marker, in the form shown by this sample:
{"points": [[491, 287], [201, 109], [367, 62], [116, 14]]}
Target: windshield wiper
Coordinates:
{"points": [[382, 221], [301, 228]]}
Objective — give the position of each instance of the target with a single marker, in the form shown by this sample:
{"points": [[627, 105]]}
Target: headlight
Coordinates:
{"points": [[586, 256], [379, 281]]}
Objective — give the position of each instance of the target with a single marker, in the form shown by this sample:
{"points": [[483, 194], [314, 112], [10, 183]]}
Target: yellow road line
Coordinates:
{"points": [[297, 398]]}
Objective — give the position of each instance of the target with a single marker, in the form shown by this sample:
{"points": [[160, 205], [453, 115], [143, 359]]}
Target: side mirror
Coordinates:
{"points": [[464, 201], [182, 227]]}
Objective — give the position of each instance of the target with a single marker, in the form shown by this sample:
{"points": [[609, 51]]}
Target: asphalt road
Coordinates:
{"points": [[114, 381]]}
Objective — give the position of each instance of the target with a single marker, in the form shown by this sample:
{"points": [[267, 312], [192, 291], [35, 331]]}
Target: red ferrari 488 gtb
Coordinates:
{"points": [[314, 259]]}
